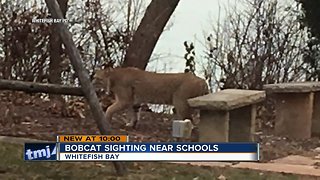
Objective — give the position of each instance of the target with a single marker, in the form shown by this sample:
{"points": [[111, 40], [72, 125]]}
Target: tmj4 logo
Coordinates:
{"points": [[40, 151]]}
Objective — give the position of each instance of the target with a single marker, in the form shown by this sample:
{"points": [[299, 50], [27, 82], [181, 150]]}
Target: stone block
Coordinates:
{"points": [[316, 115], [293, 114], [182, 128]]}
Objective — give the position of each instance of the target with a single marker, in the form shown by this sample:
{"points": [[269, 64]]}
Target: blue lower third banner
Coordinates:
{"points": [[158, 152], [40, 151]]}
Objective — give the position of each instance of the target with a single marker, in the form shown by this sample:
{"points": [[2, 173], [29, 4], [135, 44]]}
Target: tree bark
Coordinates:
{"points": [[145, 38], [55, 50], [84, 78]]}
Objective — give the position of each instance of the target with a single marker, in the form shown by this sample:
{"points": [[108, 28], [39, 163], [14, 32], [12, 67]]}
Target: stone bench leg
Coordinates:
{"points": [[242, 124], [222, 126], [213, 126], [293, 115], [316, 115]]}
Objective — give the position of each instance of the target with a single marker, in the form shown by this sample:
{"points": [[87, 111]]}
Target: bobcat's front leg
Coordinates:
{"points": [[115, 107]]}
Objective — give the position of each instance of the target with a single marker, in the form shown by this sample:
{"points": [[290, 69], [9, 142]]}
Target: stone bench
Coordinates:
{"points": [[297, 108], [228, 115]]}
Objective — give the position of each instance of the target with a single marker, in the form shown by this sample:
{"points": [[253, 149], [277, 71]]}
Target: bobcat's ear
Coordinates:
{"points": [[107, 65]]}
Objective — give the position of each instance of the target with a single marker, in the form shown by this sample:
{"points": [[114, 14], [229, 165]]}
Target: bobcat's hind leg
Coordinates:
{"points": [[132, 116], [182, 109]]}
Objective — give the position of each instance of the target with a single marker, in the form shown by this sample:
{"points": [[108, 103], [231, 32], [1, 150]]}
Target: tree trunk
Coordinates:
{"points": [[83, 75], [55, 50], [145, 38]]}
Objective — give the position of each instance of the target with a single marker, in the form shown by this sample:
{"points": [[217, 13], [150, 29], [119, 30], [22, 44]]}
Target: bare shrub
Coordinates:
{"points": [[258, 42], [101, 32], [261, 44]]}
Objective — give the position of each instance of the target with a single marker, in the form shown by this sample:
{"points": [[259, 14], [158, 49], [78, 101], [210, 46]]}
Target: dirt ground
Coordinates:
{"points": [[25, 115]]}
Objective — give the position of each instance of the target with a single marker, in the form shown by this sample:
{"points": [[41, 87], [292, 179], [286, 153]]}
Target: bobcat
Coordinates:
{"points": [[133, 86]]}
